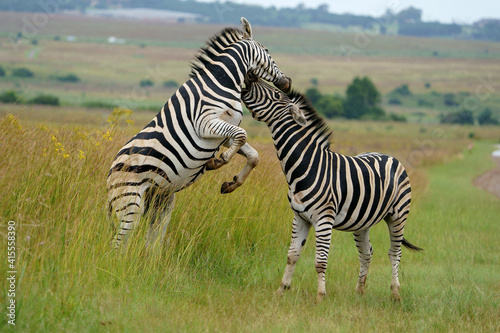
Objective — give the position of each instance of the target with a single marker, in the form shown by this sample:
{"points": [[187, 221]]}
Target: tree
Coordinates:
{"points": [[488, 31], [410, 14], [362, 99], [313, 94], [331, 106]]}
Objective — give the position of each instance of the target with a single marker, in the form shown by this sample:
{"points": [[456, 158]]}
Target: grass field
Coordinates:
{"points": [[224, 255]]}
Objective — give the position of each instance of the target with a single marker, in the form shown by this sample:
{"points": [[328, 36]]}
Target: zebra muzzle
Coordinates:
{"points": [[284, 84]]}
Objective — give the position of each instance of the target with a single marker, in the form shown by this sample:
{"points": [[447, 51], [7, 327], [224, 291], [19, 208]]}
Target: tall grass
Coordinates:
{"points": [[224, 255]]}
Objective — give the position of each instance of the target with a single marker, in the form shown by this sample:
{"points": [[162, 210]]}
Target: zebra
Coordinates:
{"points": [[180, 142], [328, 190]]}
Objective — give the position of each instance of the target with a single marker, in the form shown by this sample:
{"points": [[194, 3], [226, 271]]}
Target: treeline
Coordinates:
{"points": [[429, 29], [408, 21], [362, 101]]}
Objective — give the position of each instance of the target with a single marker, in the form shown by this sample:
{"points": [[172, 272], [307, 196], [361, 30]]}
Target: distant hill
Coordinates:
{"points": [[405, 22]]}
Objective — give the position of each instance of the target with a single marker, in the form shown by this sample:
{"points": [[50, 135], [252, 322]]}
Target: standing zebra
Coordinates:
{"points": [[180, 143], [328, 190]]}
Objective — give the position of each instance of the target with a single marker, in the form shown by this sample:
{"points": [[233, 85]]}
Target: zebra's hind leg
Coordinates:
{"points": [[161, 212], [396, 230], [128, 210], [252, 157], [300, 230], [365, 250]]}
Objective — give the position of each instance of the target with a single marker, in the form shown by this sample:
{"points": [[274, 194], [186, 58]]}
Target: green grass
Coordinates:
{"points": [[225, 254]]}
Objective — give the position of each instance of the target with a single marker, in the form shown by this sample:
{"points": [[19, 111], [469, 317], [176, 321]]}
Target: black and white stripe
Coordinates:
{"points": [[328, 190], [180, 143]]}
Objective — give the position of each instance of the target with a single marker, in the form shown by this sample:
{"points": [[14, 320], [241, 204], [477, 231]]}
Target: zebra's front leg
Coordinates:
{"points": [[252, 157], [300, 230], [323, 240], [219, 129], [365, 250]]}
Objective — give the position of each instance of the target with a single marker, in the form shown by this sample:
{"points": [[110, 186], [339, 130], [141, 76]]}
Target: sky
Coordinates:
{"points": [[445, 11]]}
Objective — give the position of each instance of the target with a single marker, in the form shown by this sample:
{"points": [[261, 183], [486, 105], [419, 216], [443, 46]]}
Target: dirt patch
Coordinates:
{"points": [[490, 181]]}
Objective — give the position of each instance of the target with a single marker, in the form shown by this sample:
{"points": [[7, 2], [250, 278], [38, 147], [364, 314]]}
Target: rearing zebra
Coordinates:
{"points": [[180, 143], [328, 190]]}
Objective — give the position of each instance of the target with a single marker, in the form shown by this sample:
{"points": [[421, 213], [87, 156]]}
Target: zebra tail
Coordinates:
{"points": [[410, 246]]}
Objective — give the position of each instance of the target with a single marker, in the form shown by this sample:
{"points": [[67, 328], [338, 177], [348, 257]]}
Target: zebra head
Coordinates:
{"points": [[267, 103], [261, 62]]}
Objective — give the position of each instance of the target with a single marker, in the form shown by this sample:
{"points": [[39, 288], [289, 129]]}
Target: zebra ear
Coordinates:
{"points": [[247, 28], [298, 115]]}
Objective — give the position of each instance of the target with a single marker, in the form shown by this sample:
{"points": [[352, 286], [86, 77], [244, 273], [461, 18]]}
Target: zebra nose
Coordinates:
{"points": [[284, 84]]}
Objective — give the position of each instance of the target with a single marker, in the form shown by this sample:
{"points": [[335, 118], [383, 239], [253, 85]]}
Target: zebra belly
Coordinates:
{"points": [[166, 166], [360, 222], [367, 195]]}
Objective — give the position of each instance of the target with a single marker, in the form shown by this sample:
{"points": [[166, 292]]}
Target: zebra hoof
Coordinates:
{"points": [[213, 163], [320, 297], [395, 293], [281, 290], [227, 187]]}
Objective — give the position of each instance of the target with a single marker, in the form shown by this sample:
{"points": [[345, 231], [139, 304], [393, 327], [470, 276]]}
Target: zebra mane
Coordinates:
{"points": [[313, 117], [214, 47]]}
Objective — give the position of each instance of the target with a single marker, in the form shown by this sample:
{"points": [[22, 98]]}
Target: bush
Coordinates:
{"points": [[485, 118], [98, 104], [22, 72], [45, 100], [146, 83], [463, 117], [424, 103], [402, 90], [170, 84], [449, 100], [395, 101], [2, 71], [397, 117], [68, 78], [9, 96]]}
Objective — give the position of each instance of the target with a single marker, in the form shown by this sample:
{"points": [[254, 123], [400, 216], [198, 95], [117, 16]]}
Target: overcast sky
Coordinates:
{"points": [[446, 11]]}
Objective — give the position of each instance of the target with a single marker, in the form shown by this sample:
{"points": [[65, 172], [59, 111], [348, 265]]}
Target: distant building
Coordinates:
{"points": [[145, 14]]}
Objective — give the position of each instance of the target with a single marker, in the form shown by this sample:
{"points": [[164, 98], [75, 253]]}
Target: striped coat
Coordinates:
{"points": [[328, 190], [181, 142]]}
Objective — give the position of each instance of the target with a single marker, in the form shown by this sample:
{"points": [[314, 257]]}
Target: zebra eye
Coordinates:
{"points": [[276, 94]]}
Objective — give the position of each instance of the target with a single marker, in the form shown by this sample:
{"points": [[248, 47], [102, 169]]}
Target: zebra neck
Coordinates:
{"points": [[227, 68], [297, 146]]}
